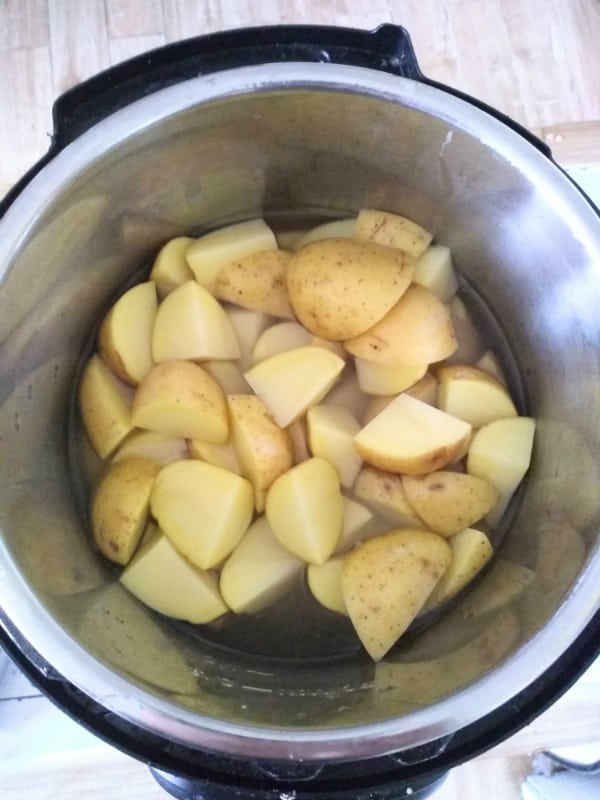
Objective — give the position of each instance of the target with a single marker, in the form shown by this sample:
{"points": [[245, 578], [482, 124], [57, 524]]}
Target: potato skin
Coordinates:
{"points": [[340, 288]]}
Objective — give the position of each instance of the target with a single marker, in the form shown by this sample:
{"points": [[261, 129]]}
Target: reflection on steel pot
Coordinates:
{"points": [[230, 127]]}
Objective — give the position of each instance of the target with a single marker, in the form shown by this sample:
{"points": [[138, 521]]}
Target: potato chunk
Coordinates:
{"points": [[471, 551], [392, 230], [387, 379], [336, 229], [258, 282], [105, 406], [170, 268], [473, 395], [331, 432], [325, 584], [158, 447], [383, 492], [434, 271]]}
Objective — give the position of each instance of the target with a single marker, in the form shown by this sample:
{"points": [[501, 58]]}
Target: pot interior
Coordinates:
{"points": [[523, 242]]}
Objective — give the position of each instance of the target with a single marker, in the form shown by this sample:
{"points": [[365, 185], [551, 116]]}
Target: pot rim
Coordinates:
{"points": [[137, 705]]}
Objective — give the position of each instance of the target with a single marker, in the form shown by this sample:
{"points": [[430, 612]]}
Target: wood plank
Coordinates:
{"points": [[125, 47], [23, 23], [134, 17], [573, 142]]}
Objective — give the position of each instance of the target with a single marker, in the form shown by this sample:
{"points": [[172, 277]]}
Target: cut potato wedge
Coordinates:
{"points": [[289, 383], [125, 335], [170, 268], [105, 406], [336, 229], [412, 437], [279, 338], [387, 379], [392, 230], [331, 431], [490, 364], [228, 375], [357, 525], [258, 571], [434, 271], [179, 398], [120, 507], [258, 282], [417, 330], [471, 394], [160, 447], [383, 492], [469, 343], [471, 551], [208, 255], [305, 509], [219, 455], [249, 326], [191, 324], [203, 510], [387, 580], [164, 580], [325, 584]]}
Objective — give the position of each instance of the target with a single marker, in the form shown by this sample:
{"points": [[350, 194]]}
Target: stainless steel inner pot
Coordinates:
{"points": [[305, 138]]}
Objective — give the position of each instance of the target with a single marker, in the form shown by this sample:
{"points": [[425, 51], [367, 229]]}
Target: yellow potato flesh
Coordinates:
{"points": [[249, 326], [387, 379], [105, 406], [325, 584], [219, 455], [181, 399], [331, 432], [473, 395], [120, 507], [471, 551], [417, 330], [158, 447], [228, 375], [125, 335], [258, 571], [339, 288], [383, 492], [164, 580], [434, 271], [448, 502], [203, 510], [412, 437], [357, 525], [336, 229], [191, 324], [305, 510], [289, 383], [279, 338], [208, 255], [392, 230], [386, 581], [257, 281], [170, 268]]}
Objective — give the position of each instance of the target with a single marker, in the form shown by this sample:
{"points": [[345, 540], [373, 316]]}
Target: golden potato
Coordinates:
{"points": [[383, 492], [105, 407], [387, 379], [339, 288], [434, 271], [336, 229], [258, 282], [170, 268], [331, 431], [392, 230], [471, 394], [219, 455], [471, 551], [119, 508], [179, 398], [386, 581], [279, 338], [228, 375], [159, 447], [249, 326], [357, 525], [325, 584]]}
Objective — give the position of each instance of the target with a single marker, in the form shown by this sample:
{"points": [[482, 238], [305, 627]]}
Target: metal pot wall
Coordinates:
{"points": [[313, 121]]}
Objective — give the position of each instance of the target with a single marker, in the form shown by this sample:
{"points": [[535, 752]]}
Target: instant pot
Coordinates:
{"points": [[296, 123]]}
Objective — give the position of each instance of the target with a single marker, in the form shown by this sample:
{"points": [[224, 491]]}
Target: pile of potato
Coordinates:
{"points": [[324, 407]]}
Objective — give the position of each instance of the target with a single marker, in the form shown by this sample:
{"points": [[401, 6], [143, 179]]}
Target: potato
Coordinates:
{"points": [[336, 229], [181, 399], [325, 584], [249, 326], [258, 571], [191, 324], [289, 383], [105, 407], [165, 581], [297, 431], [500, 453], [425, 390], [383, 492], [489, 363], [448, 502], [331, 431], [279, 338], [346, 392], [159, 447], [357, 525], [125, 335], [504, 583], [228, 375], [387, 379], [469, 344], [258, 282], [386, 581], [471, 551], [208, 255], [288, 240], [305, 509], [412, 437], [219, 455], [119, 508], [170, 268], [471, 394], [339, 288], [434, 271], [417, 330], [264, 450], [203, 510], [392, 230]]}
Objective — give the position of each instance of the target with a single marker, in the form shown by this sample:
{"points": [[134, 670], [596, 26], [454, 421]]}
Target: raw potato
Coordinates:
{"points": [[470, 345], [331, 431], [448, 502], [264, 450], [249, 326], [105, 406], [340, 288], [120, 507], [412, 437], [489, 363], [325, 584], [181, 399], [294, 509], [387, 379], [337, 229], [164, 580], [289, 383], [392, 230], [357, 525], [258, 282], [215, 250], [504, 583], [258, 571], [387, 580], [160, 447], [279, 338], [170, 268], [297, 431], [191, 324], [471, 394], [417, 330], [384, 493], [125, 335], [219, 455], [203, 510], [471, 551], [434, 271], [500, 453], [228, 375]]}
